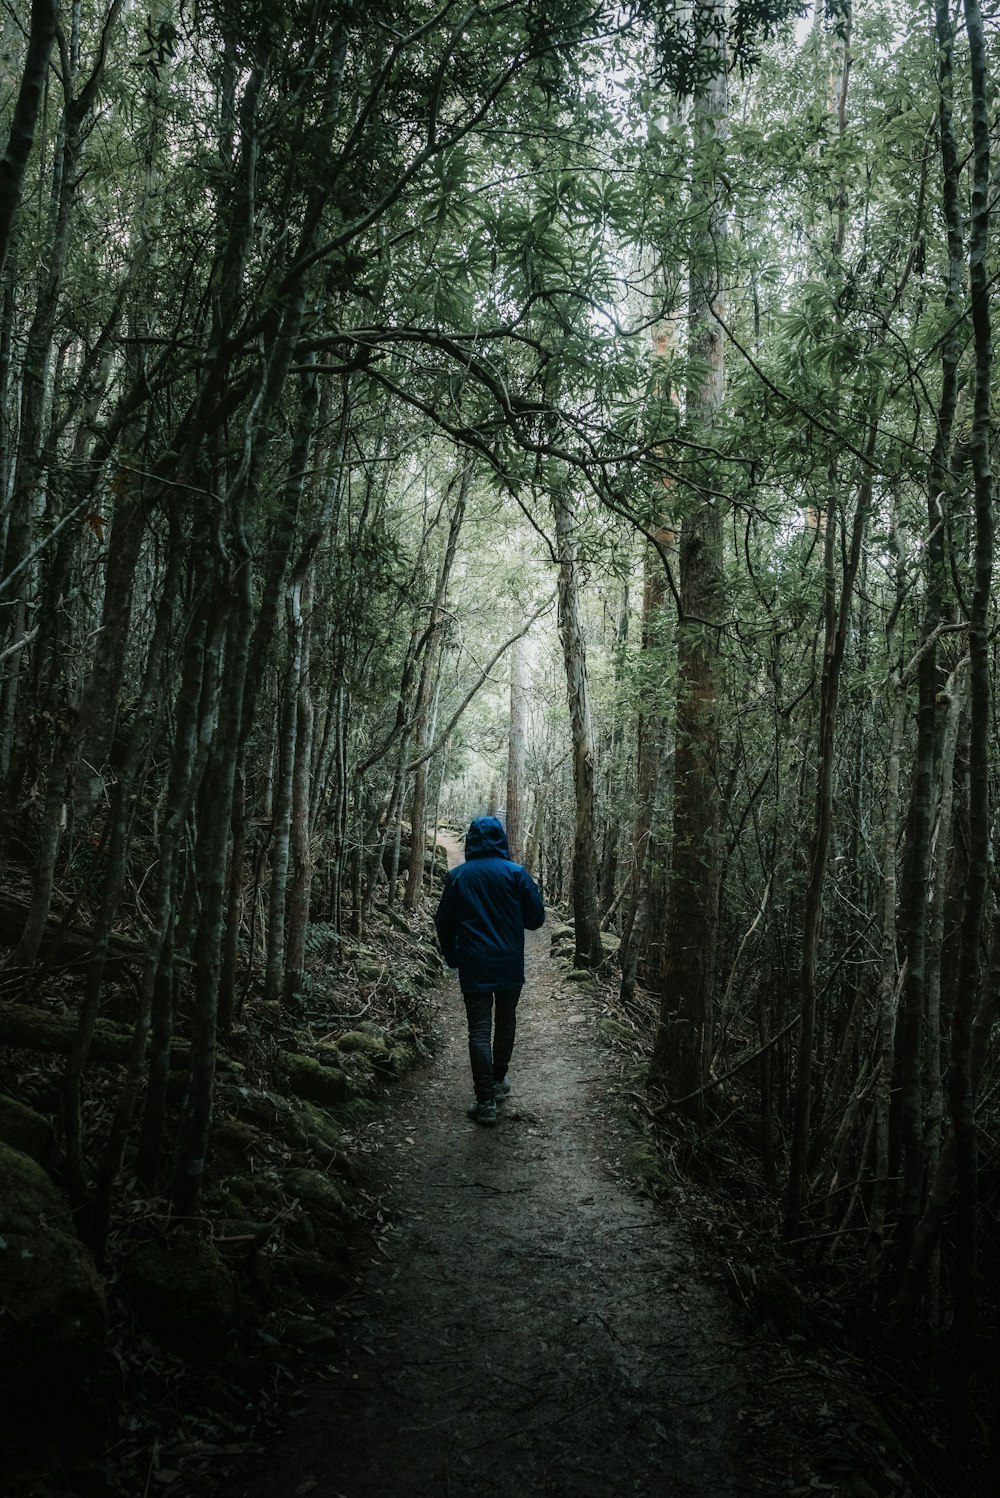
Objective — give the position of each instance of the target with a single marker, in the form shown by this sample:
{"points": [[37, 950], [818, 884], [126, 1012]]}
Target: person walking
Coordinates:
{"points": [[487, 904]]}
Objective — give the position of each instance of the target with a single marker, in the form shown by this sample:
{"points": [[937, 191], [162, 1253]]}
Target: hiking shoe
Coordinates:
{"points": [[484, 1112], [501, 1089]]}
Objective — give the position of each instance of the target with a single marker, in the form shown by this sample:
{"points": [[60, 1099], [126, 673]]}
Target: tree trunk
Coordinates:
{"points": [[234, 601], [300, 884], [684, 965], [917, 863], [424, 719], [197, 697], [282, 824], [651, 804], [837, 617], [516, 749], [588, 951], [41, 34], [961, 1080]]}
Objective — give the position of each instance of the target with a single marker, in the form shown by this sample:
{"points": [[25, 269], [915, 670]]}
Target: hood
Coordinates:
{"points": [[486, 836]]}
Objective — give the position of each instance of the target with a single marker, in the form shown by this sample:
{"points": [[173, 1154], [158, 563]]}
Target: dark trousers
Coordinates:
{"points": [[490, 1062]]}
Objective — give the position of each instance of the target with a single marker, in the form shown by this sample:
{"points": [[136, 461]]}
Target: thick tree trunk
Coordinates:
{"points": [[652, 801], [234, 602], [684, 965], [961, 1078], [912, 1036]]}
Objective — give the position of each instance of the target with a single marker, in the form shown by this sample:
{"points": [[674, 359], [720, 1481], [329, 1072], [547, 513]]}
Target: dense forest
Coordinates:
{"points": [[570, 410]]}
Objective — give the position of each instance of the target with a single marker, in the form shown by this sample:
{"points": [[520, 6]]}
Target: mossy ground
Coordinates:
{"points": [[211, 1326]]}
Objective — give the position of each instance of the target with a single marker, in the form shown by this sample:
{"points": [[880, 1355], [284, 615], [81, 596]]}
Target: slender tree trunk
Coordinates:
{"points": [[115, 873], [300, 884], [534, 843], [943, 834], [197, 697], [835, 624], [837, 617], [587, 925], [615, 774], [282, 824], [41, 34], [516, 750], [430, 675], [887, 979]]}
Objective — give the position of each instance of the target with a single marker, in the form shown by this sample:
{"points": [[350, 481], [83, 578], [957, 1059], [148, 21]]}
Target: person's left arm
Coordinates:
{"points": [[532, 908]]}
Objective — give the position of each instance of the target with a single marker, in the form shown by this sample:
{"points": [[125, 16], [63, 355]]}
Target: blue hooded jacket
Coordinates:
{"points": [[488, 903]]}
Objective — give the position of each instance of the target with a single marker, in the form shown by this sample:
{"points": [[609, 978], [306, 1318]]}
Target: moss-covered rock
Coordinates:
{"points": [[430, 956], [322, 1131], [366, 1055], [400, 1058], [316, 1192], [361, 1078], [28, 1199], [643, 1162], [583, 977], [25, 1130], [359, 1110], [610, 943], [315, 1082], [184, 1295], [270, 1113], [613, 1029], [234, 1139], [259, 1195], [53, 1315], [52, 1309], [327, 1053], [361, 1040]]}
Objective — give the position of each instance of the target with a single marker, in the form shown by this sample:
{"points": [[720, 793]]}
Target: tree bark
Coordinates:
{"points": [[684, 964], [961, 1078], [588, 951], [516, 751], [300, 846], [41, 33]]}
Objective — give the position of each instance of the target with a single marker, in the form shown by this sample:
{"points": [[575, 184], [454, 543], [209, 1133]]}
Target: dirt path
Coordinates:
{"points": [[537, 1328]]}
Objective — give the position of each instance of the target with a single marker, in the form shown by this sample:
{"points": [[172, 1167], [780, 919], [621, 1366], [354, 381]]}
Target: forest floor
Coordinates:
{"points": [[589, 1299], [530, 1323]]}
